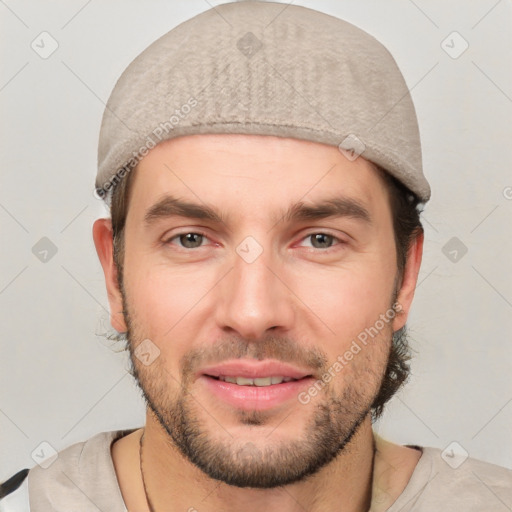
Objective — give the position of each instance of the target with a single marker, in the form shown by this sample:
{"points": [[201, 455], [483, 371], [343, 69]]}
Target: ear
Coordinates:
{"points": [[103, 240], [409, 281]]}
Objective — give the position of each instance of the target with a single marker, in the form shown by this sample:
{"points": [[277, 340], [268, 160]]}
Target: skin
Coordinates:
{"points": [[319, 299]]}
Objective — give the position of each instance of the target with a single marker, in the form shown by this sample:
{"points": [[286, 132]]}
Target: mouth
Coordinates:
{"points": [[258, 381], [253, 372], [254, 385]]}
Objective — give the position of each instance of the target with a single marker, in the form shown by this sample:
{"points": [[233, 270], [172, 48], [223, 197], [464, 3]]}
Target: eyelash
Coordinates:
{"points": [[204, 235]]}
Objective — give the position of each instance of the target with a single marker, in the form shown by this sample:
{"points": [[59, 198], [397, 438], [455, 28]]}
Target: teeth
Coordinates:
{"points": [[263, 381], [242, 381], [260, 381]]}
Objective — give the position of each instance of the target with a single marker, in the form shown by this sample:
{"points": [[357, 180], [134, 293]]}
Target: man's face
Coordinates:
{"points": [[240, 296]]}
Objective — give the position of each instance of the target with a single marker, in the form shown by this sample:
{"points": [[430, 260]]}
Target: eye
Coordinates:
{"points": [[322, 240], [190, 240], [194, 240]]}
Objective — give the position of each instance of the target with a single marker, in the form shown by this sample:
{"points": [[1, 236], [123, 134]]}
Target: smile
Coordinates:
{"points": [[261, 381]]}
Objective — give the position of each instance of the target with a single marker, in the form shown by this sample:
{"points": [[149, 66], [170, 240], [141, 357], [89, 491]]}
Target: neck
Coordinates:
{"points": [[173, 483]]}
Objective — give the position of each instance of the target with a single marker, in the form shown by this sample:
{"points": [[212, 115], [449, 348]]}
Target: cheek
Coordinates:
{"points": [[161, 300], [357, 363], [354, 302], [160, 310], [348, 300]]}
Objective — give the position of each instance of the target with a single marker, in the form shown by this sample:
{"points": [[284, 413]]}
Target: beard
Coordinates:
{"points": [[334, 416]]}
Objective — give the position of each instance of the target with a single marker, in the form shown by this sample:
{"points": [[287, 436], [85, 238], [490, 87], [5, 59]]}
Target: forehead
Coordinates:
{"points": [[251, 172]]}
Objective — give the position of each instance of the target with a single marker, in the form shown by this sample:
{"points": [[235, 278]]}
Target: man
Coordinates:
{"points": [[263, 167]]}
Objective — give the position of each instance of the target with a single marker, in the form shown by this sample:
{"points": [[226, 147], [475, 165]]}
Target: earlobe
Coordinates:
{"points": [[409, 281], [103, 241]]}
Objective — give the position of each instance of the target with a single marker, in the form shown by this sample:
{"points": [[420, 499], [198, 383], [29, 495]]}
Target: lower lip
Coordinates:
{"points": [[250, 398]]}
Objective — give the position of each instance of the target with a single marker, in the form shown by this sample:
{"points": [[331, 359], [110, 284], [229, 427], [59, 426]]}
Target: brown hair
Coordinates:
{"points": [[405, 207]]}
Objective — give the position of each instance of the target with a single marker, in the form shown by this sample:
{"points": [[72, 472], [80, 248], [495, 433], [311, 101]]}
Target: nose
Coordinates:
{"points": [[253, 298]]}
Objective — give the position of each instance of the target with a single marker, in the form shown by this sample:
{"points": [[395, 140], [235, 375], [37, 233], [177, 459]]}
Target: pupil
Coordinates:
{"points": [[321, 240], [188, 240]]}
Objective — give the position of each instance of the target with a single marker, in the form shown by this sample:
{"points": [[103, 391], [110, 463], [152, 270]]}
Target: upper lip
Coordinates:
{"points": [[254, 370]]}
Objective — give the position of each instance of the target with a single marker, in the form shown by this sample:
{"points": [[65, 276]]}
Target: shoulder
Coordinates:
{"points": [[447, 481], [72, 479]]}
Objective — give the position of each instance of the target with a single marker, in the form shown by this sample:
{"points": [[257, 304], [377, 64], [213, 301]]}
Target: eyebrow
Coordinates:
{"points": [[170, 206], [335, 207]]}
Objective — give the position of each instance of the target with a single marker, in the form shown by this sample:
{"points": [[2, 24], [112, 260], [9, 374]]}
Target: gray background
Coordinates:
{"points": [[61, 382]]}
